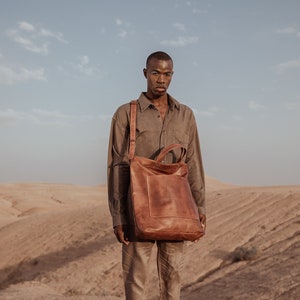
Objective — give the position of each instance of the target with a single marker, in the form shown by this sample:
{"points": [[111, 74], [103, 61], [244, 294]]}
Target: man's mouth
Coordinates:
{"points": [[160, 88]]}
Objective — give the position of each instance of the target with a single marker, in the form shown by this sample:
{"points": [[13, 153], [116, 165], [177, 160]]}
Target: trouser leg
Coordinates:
{"points": [[169, 265], [135, 259]]}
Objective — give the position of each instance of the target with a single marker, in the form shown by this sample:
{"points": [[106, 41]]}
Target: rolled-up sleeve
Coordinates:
{"points": [[195, 167], [118, 173]]}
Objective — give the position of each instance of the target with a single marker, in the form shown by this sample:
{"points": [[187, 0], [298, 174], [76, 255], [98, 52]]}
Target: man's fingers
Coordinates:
{"points": [[119, 233], [203, 221]]}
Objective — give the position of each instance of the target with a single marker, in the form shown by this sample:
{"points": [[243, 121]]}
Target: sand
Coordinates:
{"points": [[56, 242]]}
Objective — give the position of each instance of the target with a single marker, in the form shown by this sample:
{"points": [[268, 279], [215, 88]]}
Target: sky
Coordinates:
{"points": [[65, 67]]}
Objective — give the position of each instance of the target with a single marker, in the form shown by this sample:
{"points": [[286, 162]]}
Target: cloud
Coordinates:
{"points": [[179, 26], [10, 76], [34, 39], [122, 33], [51, 114], [57, 117], [124, 28], [28, 43], [50, 118], [199, 11], [41, 117], [292, 64], [10, 117], [210, 112], [83, 66], [181, 41], [58, 36], [255, 106], [26, 26], [289, 30], [118, 21], [196, 10]]}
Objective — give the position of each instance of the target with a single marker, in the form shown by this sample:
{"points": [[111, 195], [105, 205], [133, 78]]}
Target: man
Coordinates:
{"points": [[161, 120]]}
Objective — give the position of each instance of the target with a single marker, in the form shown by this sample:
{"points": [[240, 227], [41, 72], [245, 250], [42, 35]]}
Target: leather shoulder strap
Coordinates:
{"points": [[133, 105]]}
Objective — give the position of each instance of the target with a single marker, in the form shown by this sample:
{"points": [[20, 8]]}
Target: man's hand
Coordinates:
{"points": [[202, 218], [121, 233], [203, 221]]}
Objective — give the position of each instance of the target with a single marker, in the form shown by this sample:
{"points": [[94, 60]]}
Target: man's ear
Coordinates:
{"points": [[145, 72]]}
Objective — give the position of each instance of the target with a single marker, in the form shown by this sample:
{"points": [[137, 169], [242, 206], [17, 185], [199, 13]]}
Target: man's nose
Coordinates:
{"points": [[161, 78]]}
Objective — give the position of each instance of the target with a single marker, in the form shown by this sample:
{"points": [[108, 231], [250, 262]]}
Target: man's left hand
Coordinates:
{"points": [[202, 218]]}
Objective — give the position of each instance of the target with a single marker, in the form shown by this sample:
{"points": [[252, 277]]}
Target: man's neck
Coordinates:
{"points": [[159, 101]]}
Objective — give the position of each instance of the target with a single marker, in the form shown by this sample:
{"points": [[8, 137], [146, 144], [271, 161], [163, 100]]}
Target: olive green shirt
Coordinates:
{"points": [[152, 134]]}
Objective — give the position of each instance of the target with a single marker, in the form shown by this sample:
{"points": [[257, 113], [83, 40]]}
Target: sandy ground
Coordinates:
{"points": [[56, 242]]}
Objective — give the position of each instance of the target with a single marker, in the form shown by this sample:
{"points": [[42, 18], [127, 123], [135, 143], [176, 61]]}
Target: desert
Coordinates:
{"points": [[57, 243]]}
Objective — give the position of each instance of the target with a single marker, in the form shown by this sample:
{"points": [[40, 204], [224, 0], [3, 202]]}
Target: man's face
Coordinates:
{"points": [[159, 75]]}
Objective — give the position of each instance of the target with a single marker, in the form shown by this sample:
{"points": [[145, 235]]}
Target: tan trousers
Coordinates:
{"points": [[135, 259]]}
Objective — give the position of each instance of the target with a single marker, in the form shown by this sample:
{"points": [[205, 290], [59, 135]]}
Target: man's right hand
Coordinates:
{"points": [[121, 234]]}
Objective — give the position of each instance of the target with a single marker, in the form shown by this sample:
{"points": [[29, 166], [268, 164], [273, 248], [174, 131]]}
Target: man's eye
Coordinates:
{"points": [[168, 74]]}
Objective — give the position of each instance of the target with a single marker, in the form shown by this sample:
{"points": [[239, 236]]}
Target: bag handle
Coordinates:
{"points": [[170, 147], [133, 104]]}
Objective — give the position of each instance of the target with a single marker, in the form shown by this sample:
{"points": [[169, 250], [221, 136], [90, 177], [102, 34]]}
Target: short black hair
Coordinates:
{"points": [[158, 55]]}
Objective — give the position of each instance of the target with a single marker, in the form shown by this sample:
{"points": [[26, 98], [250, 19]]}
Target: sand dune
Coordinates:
{"points": [[57, 243]]}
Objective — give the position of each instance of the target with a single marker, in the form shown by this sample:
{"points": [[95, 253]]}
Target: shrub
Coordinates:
{"points": [[244, 254]]}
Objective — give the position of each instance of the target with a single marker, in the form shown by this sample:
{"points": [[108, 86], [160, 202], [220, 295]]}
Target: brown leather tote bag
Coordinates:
{"points": [[163, 205]]}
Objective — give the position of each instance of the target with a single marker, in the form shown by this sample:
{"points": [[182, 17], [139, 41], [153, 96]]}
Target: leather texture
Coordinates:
{"points": [[163, 205]]}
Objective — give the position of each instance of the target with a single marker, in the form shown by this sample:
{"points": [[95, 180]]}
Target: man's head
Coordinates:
{"points": [[158, 72], [160, 55]]}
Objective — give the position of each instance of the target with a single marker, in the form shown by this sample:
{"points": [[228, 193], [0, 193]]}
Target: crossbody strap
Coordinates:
{"points": [[133, 105]]}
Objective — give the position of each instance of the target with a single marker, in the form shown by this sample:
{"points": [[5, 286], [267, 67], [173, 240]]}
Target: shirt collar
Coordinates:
{"points": [[145, 102]]}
